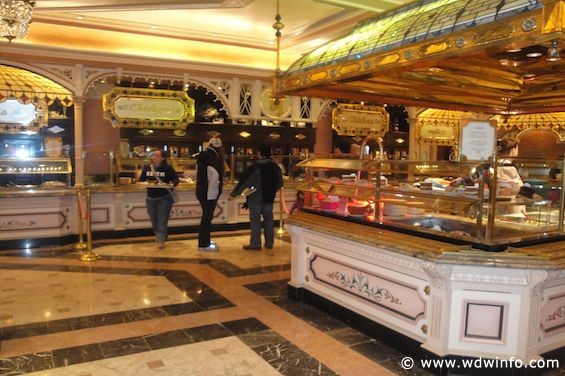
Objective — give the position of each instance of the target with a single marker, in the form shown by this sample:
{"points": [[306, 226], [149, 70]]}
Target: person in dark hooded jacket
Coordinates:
{"points": [[209, 178], [264, 179]]}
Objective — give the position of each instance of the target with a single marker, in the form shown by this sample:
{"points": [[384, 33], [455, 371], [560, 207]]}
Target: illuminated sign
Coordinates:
{"points": [[360, 120], [148, 108]]}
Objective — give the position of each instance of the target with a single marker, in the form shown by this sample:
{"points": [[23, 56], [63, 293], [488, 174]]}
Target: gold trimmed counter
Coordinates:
{"points": [[53, 213], [453, 299]]}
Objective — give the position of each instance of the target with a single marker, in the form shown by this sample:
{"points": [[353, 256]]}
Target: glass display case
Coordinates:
{"points": [[129, 169], [99, 168], [455, 201], [35, 172]]}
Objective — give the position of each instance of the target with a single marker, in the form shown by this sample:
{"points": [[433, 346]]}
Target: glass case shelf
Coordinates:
{"points": [[28, 172], [426, 198]]}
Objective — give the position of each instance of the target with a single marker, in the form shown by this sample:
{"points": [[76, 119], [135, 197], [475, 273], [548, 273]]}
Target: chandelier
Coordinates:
{"points": [[15, 17]]}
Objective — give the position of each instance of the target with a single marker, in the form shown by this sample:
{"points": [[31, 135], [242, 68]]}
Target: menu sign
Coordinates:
{"points": [[478, 139], [148, 108]]}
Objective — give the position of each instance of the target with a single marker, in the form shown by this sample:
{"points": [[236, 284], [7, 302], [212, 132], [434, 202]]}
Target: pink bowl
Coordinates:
{"points": [[328, 205]]}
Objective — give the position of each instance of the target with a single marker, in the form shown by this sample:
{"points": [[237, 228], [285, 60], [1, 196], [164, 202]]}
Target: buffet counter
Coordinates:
{"points": [[453, 299], [42, 213]]}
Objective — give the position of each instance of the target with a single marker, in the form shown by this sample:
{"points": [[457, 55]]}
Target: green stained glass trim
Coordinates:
{"points": [[410, 24]]}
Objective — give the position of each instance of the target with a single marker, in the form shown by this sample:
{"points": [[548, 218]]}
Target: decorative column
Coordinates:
{"points": [[234, 98], [417, 151], [439, 308], [79, 161], [256, 90], [295, 113]]}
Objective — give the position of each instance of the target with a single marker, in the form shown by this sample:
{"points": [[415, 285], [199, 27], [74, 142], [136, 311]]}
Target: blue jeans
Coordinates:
{"points": [[159, 210], [255, 213]]}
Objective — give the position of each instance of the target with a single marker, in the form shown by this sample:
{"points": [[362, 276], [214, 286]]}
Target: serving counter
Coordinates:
{"points": [[453, 299], [51, 215]]}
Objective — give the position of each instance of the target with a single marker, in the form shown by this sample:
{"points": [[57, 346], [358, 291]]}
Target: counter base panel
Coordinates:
{"points": [[404, 344], [471, 307]]}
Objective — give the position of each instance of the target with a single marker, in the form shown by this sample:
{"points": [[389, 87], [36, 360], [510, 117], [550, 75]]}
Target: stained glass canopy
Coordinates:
{"points": [[492, 56], [416, 22], [28, 87]]}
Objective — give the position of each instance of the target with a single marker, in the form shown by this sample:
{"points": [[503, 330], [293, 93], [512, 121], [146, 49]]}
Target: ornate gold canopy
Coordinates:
{"points": [[28, 87], [493, 56]]}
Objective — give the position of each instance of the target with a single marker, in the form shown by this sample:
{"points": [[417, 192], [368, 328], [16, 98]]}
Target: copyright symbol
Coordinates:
{"points": [[407, 363]]}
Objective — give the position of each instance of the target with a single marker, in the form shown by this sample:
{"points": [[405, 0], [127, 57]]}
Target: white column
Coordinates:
{"points": [[79, 161], [295, 112], [256, 91], [235, 90]]}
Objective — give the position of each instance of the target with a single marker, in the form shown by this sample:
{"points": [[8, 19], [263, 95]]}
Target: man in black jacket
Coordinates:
{"points": [[265, 178], [209, 178]]}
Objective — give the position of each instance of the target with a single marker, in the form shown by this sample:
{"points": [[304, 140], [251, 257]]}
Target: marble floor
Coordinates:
{"points": [[177, 311]]}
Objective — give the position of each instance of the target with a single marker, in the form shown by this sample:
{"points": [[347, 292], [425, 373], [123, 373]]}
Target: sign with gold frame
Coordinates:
{"points": [[437, 131], [360, 120], [16, 117], [478, 139], [148, 108]]}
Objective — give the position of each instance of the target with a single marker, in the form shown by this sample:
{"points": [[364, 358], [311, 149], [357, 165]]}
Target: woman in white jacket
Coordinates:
{"points": [[508, 179]]}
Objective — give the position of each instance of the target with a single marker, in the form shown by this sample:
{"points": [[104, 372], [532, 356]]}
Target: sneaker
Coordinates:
{"points": [[213, 247], [271, 247], [249, 247], [161, 245]]}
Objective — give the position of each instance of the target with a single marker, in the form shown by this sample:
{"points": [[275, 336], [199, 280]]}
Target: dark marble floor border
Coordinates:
{"points": [[280, 353], [222, 266], [203, 298], [129, 236]]}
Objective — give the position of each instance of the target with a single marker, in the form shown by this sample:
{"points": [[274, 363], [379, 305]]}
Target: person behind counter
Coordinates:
{"points": [[162, 177], [209, 178], [508, 179]]}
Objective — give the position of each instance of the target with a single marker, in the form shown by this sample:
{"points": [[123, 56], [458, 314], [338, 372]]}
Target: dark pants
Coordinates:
{"points": [[255, 213], [159, 210], [208, 207]]}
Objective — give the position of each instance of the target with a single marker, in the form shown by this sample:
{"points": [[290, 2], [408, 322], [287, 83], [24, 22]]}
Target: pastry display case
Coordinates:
{"points": [[460, 202], [35, 172]]}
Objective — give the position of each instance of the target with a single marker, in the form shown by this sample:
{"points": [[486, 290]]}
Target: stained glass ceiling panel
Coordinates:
{"points": [[29, 87], [413, 23]]}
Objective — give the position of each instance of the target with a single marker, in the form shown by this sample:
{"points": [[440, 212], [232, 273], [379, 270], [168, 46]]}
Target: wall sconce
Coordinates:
{"points": [[553, 52]]}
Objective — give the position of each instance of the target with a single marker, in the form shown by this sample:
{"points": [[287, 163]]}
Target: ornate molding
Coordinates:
{"points": [[439, 274], [378, 254], [540, 278], [360, 283], [461, 276], [559, 313]]}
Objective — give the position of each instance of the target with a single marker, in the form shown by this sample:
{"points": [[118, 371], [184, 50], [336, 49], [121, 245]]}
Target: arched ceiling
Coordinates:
{"points": [[226, 32]]}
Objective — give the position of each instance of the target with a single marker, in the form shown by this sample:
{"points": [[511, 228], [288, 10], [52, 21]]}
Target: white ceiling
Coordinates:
{"points": [[199, 30]]}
